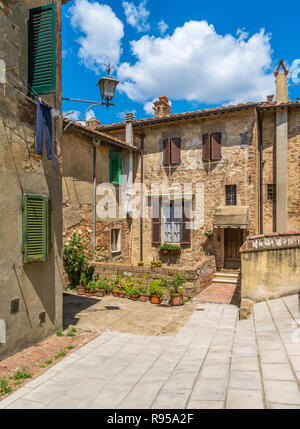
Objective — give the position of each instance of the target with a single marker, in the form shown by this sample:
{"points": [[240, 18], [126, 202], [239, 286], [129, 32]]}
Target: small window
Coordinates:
{"points": [[37, 242], [271, 192], [230, 195], [115, 240], [115, 167], [172, 222]]}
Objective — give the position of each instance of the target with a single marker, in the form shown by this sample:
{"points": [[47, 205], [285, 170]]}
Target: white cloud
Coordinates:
{"points": [[199, 65], [137, 16], [102, 30], [295, 71], [73, 115], [162, 26], [90, 114]]}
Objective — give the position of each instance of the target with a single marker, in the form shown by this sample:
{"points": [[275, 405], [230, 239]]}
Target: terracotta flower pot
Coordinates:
{"points": [[165, 252], [176, 300], [141, 264], [121, 294], [155, 299], [143, 297], [81, 290], [89, 293], [134, 297], [115, 293], [100, 292]]}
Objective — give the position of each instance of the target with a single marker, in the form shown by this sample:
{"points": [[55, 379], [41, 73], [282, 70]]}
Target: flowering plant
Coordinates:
{"points": [[75, 258]]}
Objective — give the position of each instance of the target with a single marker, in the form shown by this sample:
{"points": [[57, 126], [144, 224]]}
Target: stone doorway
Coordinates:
{"points": [[233, 240]]}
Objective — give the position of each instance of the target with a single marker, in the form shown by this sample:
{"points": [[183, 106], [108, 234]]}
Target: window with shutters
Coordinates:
{"points": [[37, 228], [230, 195], [176, 223], [42, 50], [115, 167], [172, 221], [172, 151], [212, 147]]}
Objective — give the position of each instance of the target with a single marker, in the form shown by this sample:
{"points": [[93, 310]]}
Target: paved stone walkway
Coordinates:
{"points": [[221, 293], [214, 361]]}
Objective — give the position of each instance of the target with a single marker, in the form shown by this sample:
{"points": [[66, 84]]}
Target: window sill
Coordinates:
{"points": [[114, 252]]}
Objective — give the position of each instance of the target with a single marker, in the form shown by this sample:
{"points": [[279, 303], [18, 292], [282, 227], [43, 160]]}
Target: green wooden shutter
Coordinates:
{"points": [[42, 50], [49, 228], [115, 167], [35, 228]]}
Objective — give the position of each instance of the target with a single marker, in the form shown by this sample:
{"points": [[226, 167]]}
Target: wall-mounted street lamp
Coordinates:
{"points": [[107, 86]]}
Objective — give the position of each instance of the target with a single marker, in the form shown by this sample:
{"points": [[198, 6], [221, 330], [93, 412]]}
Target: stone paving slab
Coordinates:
{"points": [[214, 361]]}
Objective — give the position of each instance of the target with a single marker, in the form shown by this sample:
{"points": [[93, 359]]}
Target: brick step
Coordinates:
{"points": [[225, 281]]}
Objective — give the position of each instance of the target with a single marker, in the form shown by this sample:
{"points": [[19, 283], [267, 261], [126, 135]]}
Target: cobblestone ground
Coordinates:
{"points": [[213, 361]]}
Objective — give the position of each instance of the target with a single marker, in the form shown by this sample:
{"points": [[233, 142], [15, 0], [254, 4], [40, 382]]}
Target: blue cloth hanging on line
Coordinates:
{"points": [[43, 122]]}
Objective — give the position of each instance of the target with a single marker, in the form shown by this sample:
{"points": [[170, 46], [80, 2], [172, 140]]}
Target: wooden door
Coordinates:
{"points": [[233, 240]]}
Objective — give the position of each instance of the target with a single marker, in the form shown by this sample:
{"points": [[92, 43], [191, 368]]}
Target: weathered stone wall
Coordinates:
{"points": [[78, 191], [294, 170], [197, 276], [270, 267], [38, 286]]}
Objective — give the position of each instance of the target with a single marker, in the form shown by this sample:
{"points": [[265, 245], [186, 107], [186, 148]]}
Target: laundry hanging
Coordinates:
{"points": [[43, 122]]}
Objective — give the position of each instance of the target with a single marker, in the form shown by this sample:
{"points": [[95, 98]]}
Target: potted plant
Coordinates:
{"points": [[156, 264], [134, 294], [91, 288], [209, 233], [176, 290], [100, 288], [81, 289], [156, 291], [164, 248], [107, 288], [142, 291], [141, 263]]}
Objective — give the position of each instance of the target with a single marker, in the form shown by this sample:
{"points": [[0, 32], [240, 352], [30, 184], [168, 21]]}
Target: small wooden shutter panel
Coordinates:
{"points": [[115, 167], [186, 221], [42, 50], [49, 228], [166, 152], [206, 147], [175, 151], [35, 228], [156, 221], [216, 139]]}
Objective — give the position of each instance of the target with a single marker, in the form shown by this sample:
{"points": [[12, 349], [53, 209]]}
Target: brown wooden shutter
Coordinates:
{"points": [[175, 150], [206, 147], [156, 221], [166, 152], [186, 222], [216, 139]]}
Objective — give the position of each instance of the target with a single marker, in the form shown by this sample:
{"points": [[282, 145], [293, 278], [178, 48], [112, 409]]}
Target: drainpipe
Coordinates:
{"points": [[142, 196], [260, 148], [96, 143]]}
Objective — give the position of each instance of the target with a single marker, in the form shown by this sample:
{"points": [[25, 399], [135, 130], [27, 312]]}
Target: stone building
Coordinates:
{"points": [[92, 166], [30, 185], [240, 166]]}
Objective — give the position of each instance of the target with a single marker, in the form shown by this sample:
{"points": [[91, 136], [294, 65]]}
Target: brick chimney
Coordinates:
{"points": [[282, 83], [162, 107], [129, 118], [92, 123]]}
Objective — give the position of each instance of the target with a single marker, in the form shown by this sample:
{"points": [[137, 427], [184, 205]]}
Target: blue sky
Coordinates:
{"points": [[199, 54]]}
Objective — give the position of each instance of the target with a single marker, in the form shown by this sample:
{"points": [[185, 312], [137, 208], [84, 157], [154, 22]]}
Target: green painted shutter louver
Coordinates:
{"points": [[36, 228], [42, 50], [115, 167]]}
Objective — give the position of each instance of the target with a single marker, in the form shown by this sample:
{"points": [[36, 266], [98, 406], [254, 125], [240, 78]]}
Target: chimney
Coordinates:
{"points": [[162, 107], [129, 118], [92, 123], [282, 123], [270, 99], [281, 83]]}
